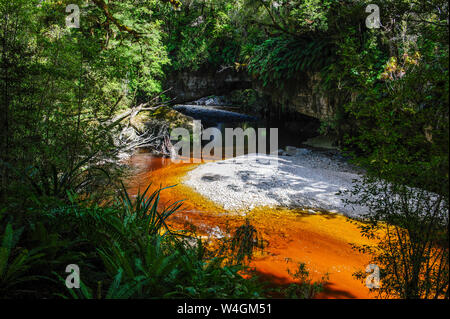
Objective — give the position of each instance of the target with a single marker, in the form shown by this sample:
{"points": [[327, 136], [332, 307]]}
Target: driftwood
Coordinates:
{"points": [[155, 136], [225, 67], [236, 67], [150, 106]]}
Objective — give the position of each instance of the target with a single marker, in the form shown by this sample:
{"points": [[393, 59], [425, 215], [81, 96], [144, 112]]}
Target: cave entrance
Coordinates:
{"points": [[252, 109]]}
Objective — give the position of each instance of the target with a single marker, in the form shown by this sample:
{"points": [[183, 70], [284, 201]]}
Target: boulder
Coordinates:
{"points": [[173, 117]]}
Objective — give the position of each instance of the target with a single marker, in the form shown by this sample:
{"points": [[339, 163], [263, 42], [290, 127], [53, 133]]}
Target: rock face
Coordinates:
{"points": [[301, 95], [214, 101], [190, 86]]}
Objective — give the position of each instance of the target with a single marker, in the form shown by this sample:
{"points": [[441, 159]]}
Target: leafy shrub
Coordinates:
{"points": [[305, 288], [125, 246]]}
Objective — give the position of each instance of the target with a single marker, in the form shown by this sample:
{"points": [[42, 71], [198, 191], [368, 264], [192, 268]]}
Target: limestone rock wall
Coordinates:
{"points": [[302, 95], [188, 86]]}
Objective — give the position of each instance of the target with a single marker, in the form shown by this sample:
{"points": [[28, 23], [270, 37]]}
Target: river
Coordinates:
{"points": [[321, 240]]}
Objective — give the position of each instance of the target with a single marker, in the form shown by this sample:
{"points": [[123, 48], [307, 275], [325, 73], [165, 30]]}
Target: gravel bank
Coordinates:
{"points": [[308, 179]]}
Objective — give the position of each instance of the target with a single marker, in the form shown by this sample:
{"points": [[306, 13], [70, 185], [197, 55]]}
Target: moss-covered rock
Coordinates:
{"points": [[173, 117]]}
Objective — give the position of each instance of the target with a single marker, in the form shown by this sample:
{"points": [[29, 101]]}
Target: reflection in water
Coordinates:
{"points": [[317, 239]]}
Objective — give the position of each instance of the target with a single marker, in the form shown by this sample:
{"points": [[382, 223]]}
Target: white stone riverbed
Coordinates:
{"points": [[308, 179]]}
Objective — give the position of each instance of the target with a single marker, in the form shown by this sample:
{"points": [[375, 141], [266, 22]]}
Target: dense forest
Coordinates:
{"points": [[74, 86]]}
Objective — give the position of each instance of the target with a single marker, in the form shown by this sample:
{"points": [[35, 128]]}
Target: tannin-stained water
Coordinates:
{"points": [[321, 240]]}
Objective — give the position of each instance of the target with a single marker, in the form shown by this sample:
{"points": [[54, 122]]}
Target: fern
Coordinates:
{"points": [[15, 262], [280, 59]]}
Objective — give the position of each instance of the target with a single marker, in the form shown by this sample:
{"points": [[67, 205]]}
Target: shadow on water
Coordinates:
{"points": [[279, 283], [225, 117], [306, 212], [330, 291]]}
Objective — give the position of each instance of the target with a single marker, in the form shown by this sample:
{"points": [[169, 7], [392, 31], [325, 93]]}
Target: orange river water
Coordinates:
{"points": [[321, 240]]}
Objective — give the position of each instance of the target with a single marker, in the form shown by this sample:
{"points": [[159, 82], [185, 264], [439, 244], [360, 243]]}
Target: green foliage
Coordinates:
{"points": [[295, 18], [305, 288], [28, 251], [125, 246], [58, 184], [204, 33], [15, 261], [280, 59], [410, 227], [116, 290], [144, 211], [163, 268], [394, 85], [61, 90], [311, 15], [400, 108], [245, 242], [63, 85]]}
